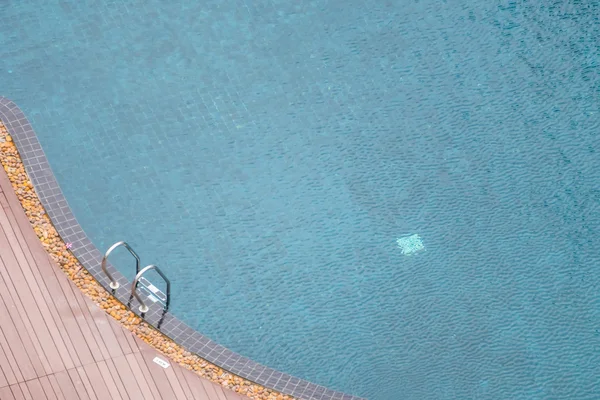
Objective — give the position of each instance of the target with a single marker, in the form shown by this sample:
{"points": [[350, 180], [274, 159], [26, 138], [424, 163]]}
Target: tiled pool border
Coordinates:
{"points": [[90, 257]]}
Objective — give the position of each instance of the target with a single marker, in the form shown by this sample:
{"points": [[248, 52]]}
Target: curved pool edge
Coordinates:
{"points": [[56, 206]]}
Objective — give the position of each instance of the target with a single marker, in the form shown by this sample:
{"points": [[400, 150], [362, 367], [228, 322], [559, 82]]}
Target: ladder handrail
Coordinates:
{"points": [[114, 284], [143, 306]]}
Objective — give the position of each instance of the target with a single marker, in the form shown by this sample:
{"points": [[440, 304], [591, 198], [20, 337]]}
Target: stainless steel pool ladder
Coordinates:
{"points": [[113, 283], [153, 293]]}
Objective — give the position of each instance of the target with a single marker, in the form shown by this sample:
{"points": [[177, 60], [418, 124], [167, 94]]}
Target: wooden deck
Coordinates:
{"points": [[57, 344]]}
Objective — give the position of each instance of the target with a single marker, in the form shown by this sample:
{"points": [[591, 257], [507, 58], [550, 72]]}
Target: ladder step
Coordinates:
{"points": [[154, 293]]}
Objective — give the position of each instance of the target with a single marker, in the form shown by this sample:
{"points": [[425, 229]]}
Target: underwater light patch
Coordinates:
{"points": [[410, 244]]}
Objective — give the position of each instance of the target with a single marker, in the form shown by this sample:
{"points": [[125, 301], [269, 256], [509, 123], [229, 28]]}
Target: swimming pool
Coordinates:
{"points": [[269, 155]]}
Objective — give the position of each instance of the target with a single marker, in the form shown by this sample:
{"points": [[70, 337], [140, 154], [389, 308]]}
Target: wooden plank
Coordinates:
{"points": [[29, 283], [66, 386], [3, 362], [231, 395], [25, 391], [17, 392], [36, 390], [78, 384], [139, 377], [48, 389], [67, 326], [119, 334], [220, 391], [41, 276], [175, 384], [45, 271], [106, 333], [15, 340], [158, 375], [86, 383], [183, 382], [67, 288], [115, 388], [130, 339], [131, 386], [22, 294], [210, 390], [99, 385], [6, 393], [4, 201], [110, 365], [23, 326], [54, 382], [196, 386], [214, 392], [5, 184], [82, 300], [7, 375], [149, 379]]}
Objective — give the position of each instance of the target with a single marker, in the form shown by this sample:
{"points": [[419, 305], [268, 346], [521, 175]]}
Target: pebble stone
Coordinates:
{"points": [[57, 248]]}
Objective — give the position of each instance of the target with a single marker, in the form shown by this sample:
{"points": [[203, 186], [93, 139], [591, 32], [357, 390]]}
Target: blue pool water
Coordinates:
{"points": [[268, 154]]}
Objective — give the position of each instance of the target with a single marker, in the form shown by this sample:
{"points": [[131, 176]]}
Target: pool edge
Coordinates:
{"points": [[56, 207]]}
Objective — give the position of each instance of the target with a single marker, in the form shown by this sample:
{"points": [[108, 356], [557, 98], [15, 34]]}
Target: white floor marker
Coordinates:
{"points": [[161, 362]]}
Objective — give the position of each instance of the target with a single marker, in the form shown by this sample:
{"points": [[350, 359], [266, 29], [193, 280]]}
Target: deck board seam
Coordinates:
{"points": [[22, 316], [49, 271], [89, 319], [81, 321], [15, 278], [42, 283], [22, 332], [9, 349]]}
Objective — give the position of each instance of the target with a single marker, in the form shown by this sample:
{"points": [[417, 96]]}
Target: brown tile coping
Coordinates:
{"points": [[56, 207]]}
